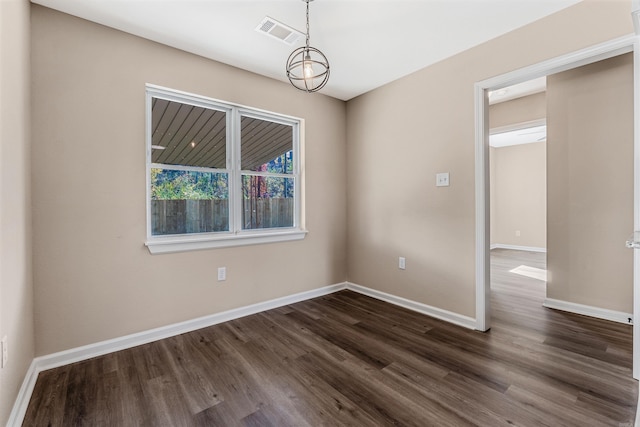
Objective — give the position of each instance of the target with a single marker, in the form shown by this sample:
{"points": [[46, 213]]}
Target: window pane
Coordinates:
{"points": [[266, 146], [185, 202], [187, 135], [267, 202]]}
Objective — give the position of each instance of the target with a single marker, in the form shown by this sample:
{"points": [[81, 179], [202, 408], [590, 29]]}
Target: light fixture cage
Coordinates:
{"points": [[308, 67], [303, 57]]}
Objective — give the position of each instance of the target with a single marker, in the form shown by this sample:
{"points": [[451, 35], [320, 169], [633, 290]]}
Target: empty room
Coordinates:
{"points": [[278, 213]]}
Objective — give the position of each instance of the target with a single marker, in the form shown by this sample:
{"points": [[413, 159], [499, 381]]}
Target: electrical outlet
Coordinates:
{"points": [[5, 351], [402, 263], [222, 274], [517, 233]]}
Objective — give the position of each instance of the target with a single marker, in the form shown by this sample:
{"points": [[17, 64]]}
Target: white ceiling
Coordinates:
{"points": [[521, 136], [368, 42]]}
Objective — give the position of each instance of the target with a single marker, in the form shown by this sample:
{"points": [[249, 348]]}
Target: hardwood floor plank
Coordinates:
{"points": [[81, 394], [498, 403], [377, 402], [445, 407], [544, 405], [345, 359], [50, 403]]}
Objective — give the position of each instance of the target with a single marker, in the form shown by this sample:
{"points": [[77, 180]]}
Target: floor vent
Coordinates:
{"points": [[280, 31]]}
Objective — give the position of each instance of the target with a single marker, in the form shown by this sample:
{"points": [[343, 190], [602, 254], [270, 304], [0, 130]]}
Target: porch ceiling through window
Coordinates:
{"points": [[196, 136]]}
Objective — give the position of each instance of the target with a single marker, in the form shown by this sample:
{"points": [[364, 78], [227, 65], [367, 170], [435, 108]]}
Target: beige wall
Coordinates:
{"points": [[519, 195], [16, 287], [404, 133], [590, 184], [518, 177], [94, 278]]}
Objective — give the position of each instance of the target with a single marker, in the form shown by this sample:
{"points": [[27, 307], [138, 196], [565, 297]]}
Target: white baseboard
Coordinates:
{"points": [[78, 354], [438, 313], [19, 409], [518, 248], [587, 310]]}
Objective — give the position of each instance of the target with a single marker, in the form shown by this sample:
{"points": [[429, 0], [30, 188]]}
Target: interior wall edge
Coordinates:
{"points": [[16, 236]]}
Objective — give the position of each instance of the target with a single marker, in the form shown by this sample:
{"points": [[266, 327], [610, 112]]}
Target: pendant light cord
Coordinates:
{"points": [[307, 24]]}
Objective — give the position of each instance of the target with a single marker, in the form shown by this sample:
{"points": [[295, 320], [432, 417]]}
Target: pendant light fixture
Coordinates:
{"points": [[307, 67]]}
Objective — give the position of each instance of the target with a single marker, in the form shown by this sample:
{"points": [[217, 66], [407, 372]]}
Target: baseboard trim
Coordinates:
{"points": [[78, 354], [587, 310], [19, 410], [518, 248], [89, 351], [438, 313], [104, 347]]}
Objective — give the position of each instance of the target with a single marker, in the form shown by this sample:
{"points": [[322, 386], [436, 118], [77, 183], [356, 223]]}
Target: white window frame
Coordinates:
{"points": [[236, 236]]}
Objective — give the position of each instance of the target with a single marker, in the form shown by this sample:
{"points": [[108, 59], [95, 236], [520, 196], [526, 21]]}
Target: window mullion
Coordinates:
{"points": [[297, 206], [236, 195], [186, 168], [268, 174]]}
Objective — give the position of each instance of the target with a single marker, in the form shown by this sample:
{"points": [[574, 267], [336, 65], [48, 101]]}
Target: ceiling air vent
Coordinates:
{"points": [[280, 31]]}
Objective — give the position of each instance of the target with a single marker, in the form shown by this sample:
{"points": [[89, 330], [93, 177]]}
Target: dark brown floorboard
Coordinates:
{"points": [[346, 359]]}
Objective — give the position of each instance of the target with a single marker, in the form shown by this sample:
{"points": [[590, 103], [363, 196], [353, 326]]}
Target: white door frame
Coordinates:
{"points": [[562, 63]]}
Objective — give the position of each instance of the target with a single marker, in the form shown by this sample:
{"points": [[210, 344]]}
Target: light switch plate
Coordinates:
{"points": [[442, 179]]}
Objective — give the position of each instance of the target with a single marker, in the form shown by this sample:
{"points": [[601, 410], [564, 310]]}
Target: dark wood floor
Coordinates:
{"points": [[346, 359]]}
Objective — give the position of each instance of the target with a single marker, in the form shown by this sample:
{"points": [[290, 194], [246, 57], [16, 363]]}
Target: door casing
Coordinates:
{"points": [[566, 62]]}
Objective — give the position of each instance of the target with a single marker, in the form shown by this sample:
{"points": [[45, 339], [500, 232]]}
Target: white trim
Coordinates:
{"points": [[518, 248], [483, 268], [186, 168], [588, 310], [235, 236], [89, 351], [636, 197], [438, 313], [104, 347], [78, 354], [198, 242], [565, 62], [19, 410]]}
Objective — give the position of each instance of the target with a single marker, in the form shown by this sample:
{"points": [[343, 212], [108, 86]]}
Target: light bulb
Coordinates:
{"points": [[307, 67]]}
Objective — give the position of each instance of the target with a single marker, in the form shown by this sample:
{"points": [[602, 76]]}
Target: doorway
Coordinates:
{"points": [[518, 200], [564, 63]]}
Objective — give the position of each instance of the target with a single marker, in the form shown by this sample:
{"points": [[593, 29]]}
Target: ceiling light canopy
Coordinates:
{"points": [[308, 67]]}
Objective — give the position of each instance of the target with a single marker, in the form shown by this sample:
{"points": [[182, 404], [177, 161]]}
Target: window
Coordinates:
{"points": [[219, 174]]}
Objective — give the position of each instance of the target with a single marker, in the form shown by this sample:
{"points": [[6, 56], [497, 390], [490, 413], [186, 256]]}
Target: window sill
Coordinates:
{"points": [[165, 245]]}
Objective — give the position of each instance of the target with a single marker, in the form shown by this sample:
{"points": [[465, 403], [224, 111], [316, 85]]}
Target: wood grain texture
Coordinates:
{"points": [[347, 359]]}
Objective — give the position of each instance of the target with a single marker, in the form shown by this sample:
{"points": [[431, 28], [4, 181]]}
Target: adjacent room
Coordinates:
{"points": [[301, 212]]}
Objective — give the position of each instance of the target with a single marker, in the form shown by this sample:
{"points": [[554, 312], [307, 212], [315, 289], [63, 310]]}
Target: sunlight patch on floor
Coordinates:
{"points": [[534, 273]]}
